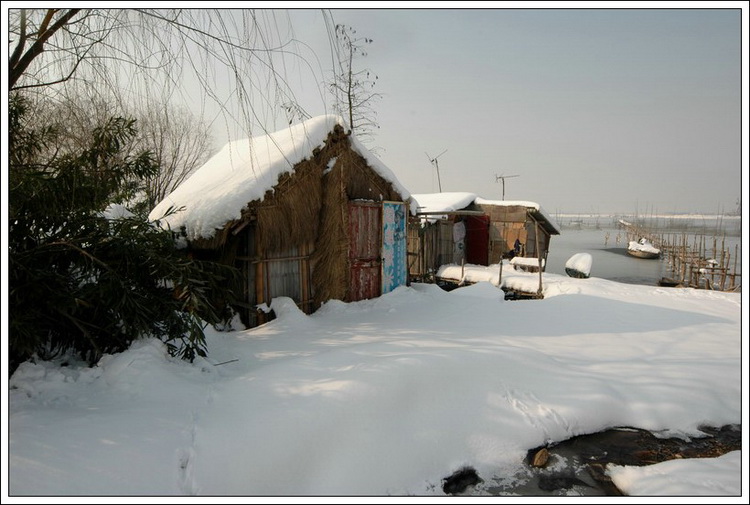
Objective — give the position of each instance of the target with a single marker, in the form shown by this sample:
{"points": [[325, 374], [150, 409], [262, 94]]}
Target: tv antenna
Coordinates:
{"points": [[434, 161], [502, 178]]}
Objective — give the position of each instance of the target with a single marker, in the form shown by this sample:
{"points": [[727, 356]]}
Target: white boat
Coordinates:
{"points": [[643, 249]]}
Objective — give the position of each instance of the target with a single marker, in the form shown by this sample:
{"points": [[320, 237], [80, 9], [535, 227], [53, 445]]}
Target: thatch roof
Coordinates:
{"points": [[242, 180]]}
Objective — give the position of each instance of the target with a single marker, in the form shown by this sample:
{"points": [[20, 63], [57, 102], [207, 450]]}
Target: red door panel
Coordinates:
{"points": [[477, 240], [364, 250]]}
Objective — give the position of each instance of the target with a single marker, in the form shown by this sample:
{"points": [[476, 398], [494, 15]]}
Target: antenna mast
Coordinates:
{"points": [[434, 161], [502, 178]]}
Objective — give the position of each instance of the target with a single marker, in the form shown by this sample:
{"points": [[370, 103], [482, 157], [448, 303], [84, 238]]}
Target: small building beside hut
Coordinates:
{"points": [[306, 213], [463, 228]]}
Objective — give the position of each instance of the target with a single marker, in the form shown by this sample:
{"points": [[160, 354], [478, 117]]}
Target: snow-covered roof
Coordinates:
{"points": [[430, 203], [433, 203], [244, 170], [522, 203]]}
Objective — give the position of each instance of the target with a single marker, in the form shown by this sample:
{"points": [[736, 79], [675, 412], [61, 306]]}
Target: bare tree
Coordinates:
{"points": [[206, 57], [352, 89], [180, 143]]}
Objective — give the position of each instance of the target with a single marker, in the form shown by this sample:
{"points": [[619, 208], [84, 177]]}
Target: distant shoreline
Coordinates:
{"points": [[649, 216]]}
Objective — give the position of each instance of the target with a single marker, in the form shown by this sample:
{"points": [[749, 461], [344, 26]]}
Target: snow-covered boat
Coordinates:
{"points": [[579, 266], [643, 249], [527, 264]]}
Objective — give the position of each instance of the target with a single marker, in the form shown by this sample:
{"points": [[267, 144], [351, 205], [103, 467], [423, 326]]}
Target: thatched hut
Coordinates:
{"points": [[306, 213], [462, 228]]}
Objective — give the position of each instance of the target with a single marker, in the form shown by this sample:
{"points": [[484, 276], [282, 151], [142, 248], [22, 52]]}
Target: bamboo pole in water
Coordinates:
{"points": [[723, 271], [683, 265]]}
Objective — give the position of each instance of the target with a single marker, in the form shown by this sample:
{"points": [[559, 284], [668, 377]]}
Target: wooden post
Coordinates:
{"points": [[304, 269], [259, 277], [683, 258], [538, 255], [714, 248]]}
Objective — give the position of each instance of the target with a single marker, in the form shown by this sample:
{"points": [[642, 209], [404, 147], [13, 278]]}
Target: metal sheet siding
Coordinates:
{"points": [[394, 269], [283, 276]]}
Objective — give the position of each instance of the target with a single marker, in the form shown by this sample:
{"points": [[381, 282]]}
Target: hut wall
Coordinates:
{"points": [[268, 274], [415, 250], [503, 237], [531, 232], [289, 215], [284, 276], [444, 249], [430, 246], [330, 265], [544, 239], [507, 223]]}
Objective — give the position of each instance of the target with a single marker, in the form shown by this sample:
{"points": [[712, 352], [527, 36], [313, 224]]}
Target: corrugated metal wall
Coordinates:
{"points": [[282, 272], [273, 274]]}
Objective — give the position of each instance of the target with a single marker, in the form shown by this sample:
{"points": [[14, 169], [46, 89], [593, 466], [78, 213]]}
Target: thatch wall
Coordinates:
{"points": [[287, 215], [330, 272], [290, 214], [350, 178]]}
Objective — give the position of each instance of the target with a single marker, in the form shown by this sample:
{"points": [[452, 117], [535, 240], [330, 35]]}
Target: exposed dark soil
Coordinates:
{"points": [[578, 465]]}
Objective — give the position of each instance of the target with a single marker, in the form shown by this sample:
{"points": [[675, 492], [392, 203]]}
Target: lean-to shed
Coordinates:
{"points": [[306, 213], [440, 231], [458, 228], [524, 221]]}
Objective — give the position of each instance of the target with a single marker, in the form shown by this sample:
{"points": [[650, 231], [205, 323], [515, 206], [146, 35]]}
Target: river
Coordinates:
{"points": [[607, 244]]}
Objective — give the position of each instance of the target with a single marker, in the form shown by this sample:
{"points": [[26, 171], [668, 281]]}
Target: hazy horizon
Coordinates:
{"points": [[589, 109]]}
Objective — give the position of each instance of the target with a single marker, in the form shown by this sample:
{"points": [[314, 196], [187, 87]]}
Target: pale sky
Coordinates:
{"points": [[591, 106], [595, 110]]}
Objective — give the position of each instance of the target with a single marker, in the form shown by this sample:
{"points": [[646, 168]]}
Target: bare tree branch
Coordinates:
{"points": [[351, 88], [17, 70], [21, 43], [235, 56]]}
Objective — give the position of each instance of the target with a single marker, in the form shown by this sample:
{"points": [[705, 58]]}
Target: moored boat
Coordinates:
{"points": [[643, 249], [579, 266], [670, 283]]}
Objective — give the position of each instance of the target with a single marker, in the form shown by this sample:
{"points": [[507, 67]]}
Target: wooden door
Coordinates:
{"points": [[365, 241], [394, 271], [477, 240]]}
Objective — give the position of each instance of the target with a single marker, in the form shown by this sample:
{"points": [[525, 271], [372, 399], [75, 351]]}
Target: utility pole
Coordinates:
{"points": [[434, 161], [502, 178]]}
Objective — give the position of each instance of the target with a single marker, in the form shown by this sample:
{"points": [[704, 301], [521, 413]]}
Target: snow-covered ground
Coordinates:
{"points": [[389, 396]]}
